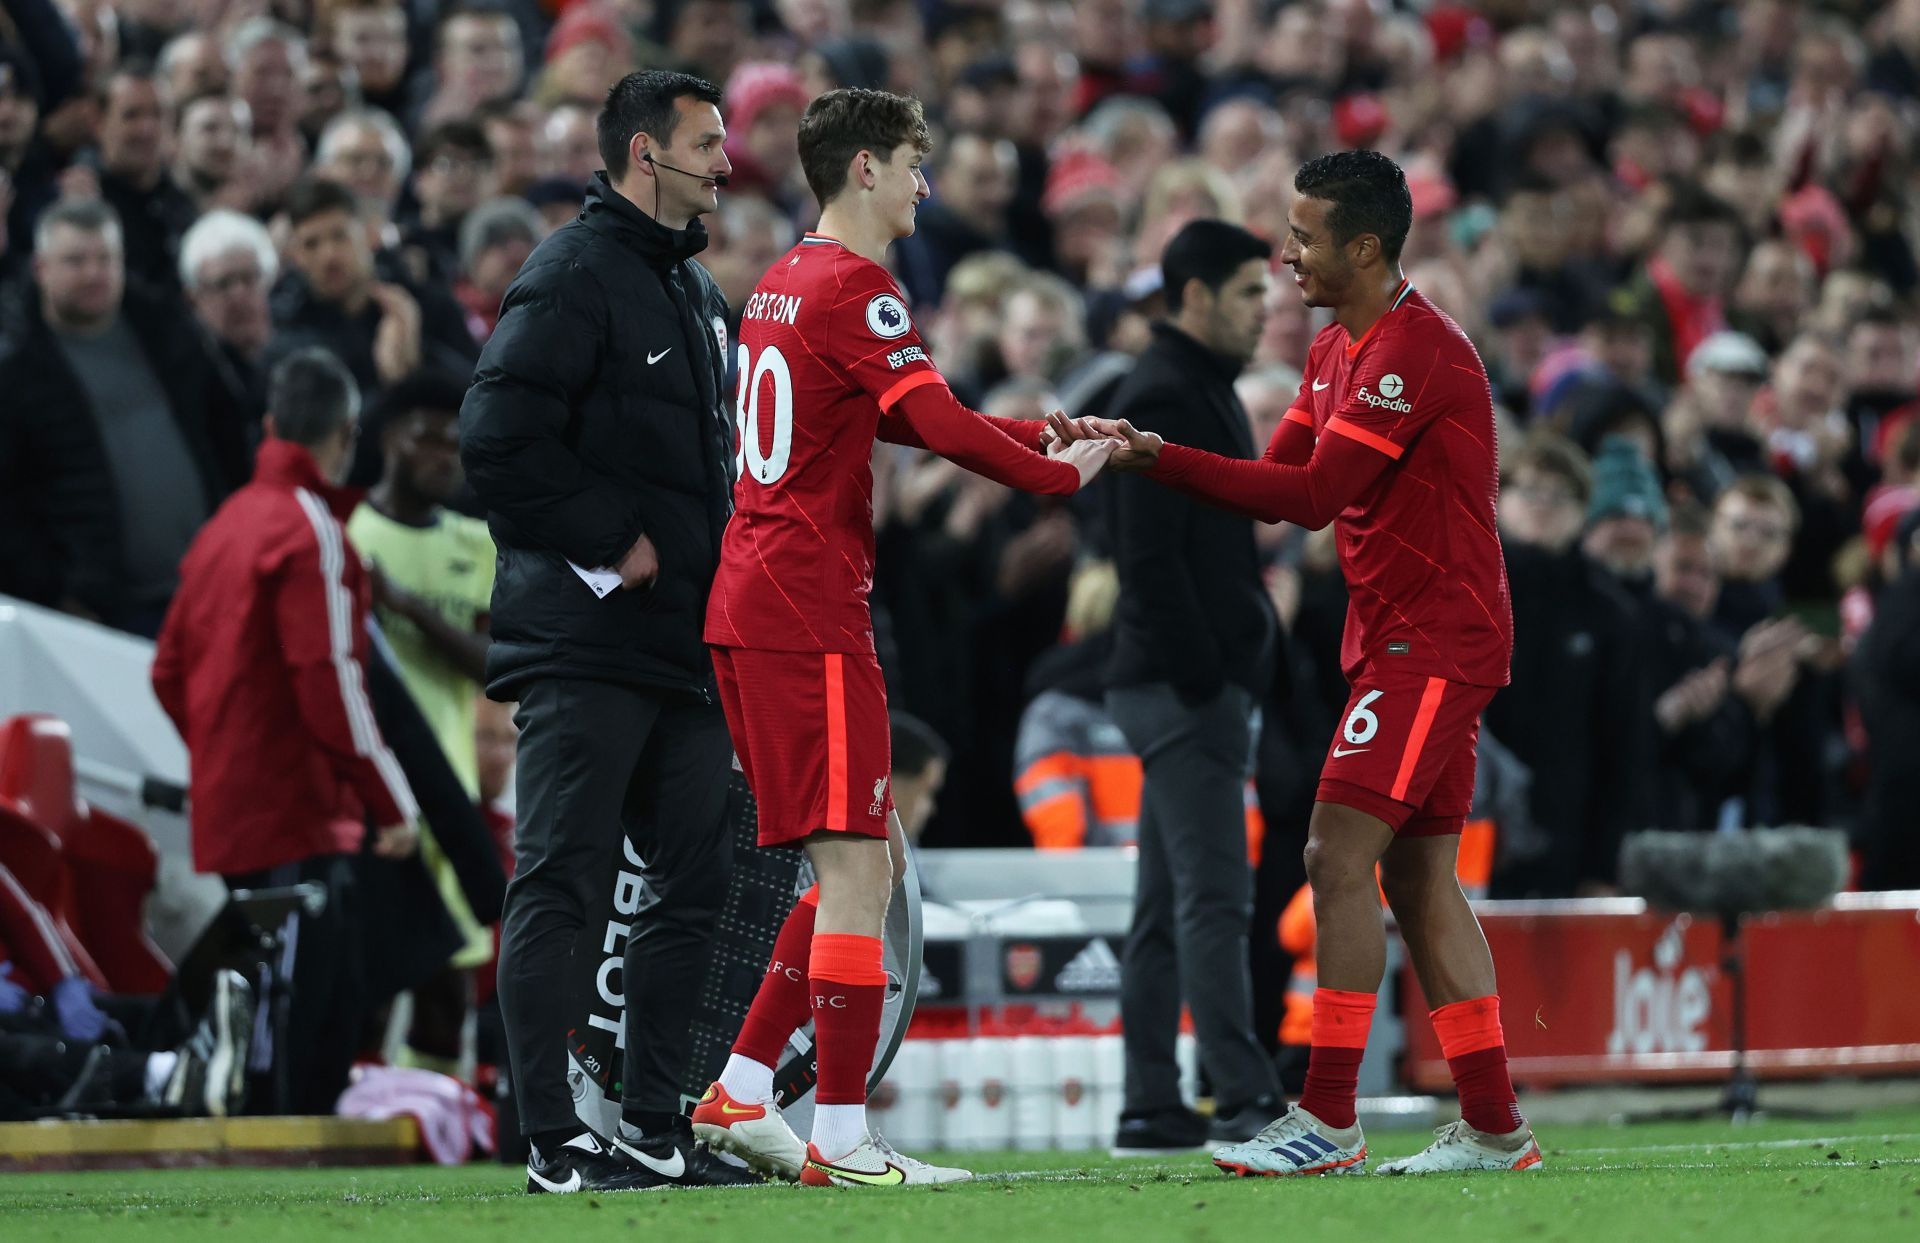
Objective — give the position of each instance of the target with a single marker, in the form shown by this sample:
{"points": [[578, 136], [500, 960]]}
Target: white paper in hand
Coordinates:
{"points": [[602, 582]]}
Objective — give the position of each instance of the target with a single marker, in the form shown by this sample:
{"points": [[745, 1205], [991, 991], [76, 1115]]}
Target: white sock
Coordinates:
{"points": [[747, 1080], [159, 1070], [838, 1129]]}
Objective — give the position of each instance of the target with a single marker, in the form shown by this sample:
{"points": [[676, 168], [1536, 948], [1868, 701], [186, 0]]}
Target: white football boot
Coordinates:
{"points": [[1458, 1147], [1296, 1144]]}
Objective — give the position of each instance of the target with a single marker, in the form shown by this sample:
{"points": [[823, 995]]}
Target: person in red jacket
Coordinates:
{"points": [[261, 665]]}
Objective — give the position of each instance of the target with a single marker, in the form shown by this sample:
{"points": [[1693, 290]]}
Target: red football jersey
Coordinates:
{"points": [[827, 348], [1420, 548]]}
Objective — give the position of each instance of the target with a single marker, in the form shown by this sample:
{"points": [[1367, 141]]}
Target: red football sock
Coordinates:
{"points": [[1476, 1052], [849, 985], [1341, 1021], [784, 999]]}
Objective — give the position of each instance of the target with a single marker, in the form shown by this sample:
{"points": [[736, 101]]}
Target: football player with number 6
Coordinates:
{"points": [[1391, 439], [829, 359]]}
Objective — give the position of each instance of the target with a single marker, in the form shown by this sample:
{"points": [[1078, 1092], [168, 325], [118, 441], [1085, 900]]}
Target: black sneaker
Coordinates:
{"points": [[1167, 1132], [1237, 1126], [585, 1163], [679, 1161], [209, 1076]]}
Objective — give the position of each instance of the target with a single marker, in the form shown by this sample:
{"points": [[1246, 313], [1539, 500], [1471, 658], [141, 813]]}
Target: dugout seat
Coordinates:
{"points": [[92, 871]]}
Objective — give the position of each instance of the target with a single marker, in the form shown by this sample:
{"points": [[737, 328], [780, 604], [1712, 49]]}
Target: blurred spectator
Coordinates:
{"points": [[452, 175], [371, 37], [1708, 428], [919, 771], [973, 186], [495, 240], [1775, 293], [1572, 713], [1570, 290], [269, 60], [1042, 330], [569, 147], [364, 150], [764, 103], [706, 37], [369, 317], [194, 64], [1625, 515], [1811, 446], [1681, 291], [212, 141], [118, 445], [227, 265], [261, 666], [478, 59], [1754, 521], [154, 213], [510, 132]]}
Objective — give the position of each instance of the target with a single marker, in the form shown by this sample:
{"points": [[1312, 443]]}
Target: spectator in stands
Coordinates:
{"points": [[1775, 293], [227, 265], [364, 150], [1680, 294], [1625, 516], [477, 60], [117, 443], [432, 576], [510, 132], [1574, 711], [973, 187], [1193, 656], [261, 666], [1708, 427], [1703, 750], [211, 144], [1754, 520], [153, 212], [337, 295], [370, 36], [1812, 447], [568, 150], [495, 240], [1886, 673], [452, 175], [194, 64], [269, 60]]}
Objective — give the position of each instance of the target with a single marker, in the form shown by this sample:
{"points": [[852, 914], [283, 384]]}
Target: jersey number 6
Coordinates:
{"points": [[1362, 724], [769, 466]]}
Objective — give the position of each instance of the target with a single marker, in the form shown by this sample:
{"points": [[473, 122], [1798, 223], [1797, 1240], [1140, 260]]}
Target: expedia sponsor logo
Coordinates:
{"points": [[1388, 398]]}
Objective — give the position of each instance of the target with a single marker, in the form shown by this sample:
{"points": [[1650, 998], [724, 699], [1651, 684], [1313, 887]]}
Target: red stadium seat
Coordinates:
{"points": [[102, 868]]}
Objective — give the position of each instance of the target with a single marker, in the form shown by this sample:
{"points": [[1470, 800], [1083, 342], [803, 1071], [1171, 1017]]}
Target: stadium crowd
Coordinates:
{"points": [[1682, 235]]}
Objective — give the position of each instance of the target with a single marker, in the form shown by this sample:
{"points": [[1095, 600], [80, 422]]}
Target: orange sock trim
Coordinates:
{"points": [[846, 958], [1469, 1026], [1341, 1020], [811, 897]]}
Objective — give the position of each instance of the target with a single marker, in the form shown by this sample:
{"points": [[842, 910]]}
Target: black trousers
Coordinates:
{"points": [[597, 761]]}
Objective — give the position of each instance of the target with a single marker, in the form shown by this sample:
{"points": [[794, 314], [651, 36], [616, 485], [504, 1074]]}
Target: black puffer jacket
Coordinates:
{"points": [[599, 412]]}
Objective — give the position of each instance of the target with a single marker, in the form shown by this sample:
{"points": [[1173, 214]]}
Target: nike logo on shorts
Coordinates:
{"points": [[1338, 752]]}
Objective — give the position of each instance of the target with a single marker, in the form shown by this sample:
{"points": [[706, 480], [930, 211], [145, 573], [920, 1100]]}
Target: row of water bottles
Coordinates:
{"points": [[1000, 1092]]}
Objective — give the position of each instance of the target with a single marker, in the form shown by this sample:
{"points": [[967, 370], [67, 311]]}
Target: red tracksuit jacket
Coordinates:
{"points": [[261, 666]]}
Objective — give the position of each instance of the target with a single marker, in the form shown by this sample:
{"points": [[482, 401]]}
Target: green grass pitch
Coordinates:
{"points": [[1856, 1178]]}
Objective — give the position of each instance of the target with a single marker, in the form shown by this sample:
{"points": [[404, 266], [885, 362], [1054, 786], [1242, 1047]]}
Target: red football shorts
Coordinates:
{"points": [[811, 732], [1405, 751]]}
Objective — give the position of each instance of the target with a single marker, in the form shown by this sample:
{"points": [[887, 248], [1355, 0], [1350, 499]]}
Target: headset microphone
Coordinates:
{"points": [[719, 179]]}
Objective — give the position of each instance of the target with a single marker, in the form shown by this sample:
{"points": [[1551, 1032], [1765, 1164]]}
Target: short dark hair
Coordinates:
{"points": [[1689, 519], [311, 396], [467, 8], [316, 196], [915, 744], [1692, 204], [434, 391], [1209, 251], [1550, 453], [1369, 195], [466, 137], [645, 103], [841, 124]]}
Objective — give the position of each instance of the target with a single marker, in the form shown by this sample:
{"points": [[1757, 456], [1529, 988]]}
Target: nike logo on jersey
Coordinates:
{"points": [[1318, 385], [1339, 752], [653, 358], [893, 1175], [572, 1183]]}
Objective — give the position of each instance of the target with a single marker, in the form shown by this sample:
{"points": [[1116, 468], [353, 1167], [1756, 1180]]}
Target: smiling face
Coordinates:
{"points": [[899, 186], [1322, 268]]}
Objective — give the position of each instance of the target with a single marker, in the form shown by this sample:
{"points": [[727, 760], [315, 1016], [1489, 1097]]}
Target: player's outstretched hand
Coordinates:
{"points": [[1138, 450], [1085, 456]]}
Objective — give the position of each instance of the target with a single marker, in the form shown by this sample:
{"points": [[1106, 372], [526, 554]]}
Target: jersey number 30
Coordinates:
{"points": [[767, 379]]}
